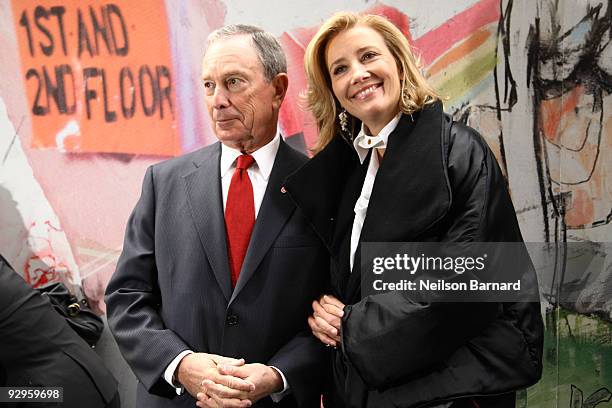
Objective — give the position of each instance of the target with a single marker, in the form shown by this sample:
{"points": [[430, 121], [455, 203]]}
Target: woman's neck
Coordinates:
{"points": [[373, 129]]}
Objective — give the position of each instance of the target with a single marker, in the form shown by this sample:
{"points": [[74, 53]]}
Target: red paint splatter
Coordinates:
{"points": [[40, 270]]}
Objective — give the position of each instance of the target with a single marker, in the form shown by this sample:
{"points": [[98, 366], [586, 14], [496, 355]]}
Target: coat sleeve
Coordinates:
{"points": [[302, 361], [390, 338], [133, 300], [22, 311]]}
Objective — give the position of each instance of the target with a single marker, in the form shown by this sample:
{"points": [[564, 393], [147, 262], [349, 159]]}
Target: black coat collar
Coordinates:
{"points": [[318, 186], [411, 192]]}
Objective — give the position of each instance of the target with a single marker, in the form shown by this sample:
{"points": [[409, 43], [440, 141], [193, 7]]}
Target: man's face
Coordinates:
{"points": [[243, 105]]}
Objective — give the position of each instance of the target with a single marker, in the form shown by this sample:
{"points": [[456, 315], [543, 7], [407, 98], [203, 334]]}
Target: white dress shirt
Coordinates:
{"points": [[363, 143], [259, 173]]}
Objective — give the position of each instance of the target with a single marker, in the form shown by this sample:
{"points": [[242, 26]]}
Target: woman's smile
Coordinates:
{"points": [[367, 92]]}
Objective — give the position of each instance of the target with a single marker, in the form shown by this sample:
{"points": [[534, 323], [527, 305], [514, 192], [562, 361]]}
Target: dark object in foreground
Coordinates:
{"points": [[77, 313], [39, 349]]}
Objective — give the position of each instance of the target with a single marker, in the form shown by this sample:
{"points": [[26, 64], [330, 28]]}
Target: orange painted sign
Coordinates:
{"points": [[98, 75]]}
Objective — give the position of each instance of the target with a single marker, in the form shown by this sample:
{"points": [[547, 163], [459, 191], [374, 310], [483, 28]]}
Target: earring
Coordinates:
{"points": [[343, 117]]}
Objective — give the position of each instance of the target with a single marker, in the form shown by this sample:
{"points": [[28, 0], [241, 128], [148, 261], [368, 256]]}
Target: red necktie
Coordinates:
{"points": [[239, 215]]}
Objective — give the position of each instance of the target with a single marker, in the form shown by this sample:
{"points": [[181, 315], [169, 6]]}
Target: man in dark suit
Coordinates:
{"points": [[219, 268], [39, 349]]}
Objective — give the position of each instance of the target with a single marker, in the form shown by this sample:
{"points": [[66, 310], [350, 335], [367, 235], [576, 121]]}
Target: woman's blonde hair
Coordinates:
{"points": [[320, 99]]}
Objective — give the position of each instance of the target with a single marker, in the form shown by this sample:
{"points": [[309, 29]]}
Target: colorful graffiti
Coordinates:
{"points": [[94, 92], [570, 74]]}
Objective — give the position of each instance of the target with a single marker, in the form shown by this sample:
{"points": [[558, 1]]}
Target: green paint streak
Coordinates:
{"points": [[582, 358], [460, 81]]}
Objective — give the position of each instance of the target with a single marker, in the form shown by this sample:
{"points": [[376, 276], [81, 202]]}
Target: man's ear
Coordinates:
{"points": [[280, 83]]}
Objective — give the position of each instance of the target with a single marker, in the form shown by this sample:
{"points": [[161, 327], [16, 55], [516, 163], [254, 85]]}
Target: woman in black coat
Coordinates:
{"points": [[390, 166]]}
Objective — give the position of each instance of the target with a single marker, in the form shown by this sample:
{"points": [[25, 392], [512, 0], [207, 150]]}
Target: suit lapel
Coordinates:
{"points": [[318, 186], [203, 188], [326, 189], [275, 210]]}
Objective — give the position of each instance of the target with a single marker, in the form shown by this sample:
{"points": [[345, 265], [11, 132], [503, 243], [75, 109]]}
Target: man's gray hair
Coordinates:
{"points": [[269, 51]]}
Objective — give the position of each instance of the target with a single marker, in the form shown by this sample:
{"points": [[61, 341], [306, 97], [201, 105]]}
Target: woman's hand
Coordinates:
{"points": [[326, 321]]}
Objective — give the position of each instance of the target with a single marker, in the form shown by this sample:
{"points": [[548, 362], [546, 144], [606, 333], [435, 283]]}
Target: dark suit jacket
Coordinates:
{"points": [[171, 290], [39, 349], [438, 182]]}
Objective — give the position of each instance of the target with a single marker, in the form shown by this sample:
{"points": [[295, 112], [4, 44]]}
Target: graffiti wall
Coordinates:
{"points": [[92, 92]]}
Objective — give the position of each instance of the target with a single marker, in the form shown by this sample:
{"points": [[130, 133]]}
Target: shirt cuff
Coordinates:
{"points": [[169, 373], [277, 396]]}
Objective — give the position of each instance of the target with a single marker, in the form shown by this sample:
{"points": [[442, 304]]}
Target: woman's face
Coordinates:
{"points": [[364, 76]]}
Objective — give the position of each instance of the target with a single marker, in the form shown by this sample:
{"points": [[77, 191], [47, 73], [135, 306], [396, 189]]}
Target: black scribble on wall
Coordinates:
{"points": [[503, 34], [577, 398], [564, 65], [568, 74], [505, 102]]}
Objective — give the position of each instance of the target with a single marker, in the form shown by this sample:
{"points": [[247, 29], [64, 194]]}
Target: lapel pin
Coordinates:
{"points": [[283, 190]]}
